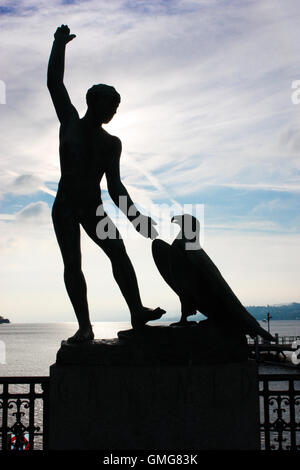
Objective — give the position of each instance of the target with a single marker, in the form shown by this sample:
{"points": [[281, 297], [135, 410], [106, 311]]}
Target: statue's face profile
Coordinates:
{"points": [[104, 108]]}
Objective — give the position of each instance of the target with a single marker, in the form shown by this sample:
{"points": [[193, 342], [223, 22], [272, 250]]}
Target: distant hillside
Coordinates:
{"points": [[277, 312]]}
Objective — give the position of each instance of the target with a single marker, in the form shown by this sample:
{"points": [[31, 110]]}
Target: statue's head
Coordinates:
{"points": [[190, 230], [104, 101]]}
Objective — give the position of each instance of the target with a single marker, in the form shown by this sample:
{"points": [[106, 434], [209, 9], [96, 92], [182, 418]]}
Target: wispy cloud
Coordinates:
{"points": [[198, 94]]}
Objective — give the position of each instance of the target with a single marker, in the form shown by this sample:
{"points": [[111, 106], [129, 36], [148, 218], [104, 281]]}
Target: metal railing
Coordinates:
{"points": [[279, 397], [279, 339], [286, 339], [24, 412]]}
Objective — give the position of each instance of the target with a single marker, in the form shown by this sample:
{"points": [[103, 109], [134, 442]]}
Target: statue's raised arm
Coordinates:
{"points": [[55, 75]]}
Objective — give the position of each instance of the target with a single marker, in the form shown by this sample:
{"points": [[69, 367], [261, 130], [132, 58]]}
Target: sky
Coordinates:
{"points": [[209, 118]]}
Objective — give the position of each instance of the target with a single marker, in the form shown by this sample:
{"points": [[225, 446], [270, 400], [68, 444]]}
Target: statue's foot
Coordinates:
{"points": [[183, 323], [140, 319], [82, 334]]}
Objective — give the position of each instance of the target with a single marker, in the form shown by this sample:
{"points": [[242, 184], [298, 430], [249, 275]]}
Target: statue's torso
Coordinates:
{"points": [[84, 155]]}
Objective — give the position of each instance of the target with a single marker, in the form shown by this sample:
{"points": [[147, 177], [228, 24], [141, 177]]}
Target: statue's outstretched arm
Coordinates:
{"points": [[61, 100], [119, 194], [116, 188]]}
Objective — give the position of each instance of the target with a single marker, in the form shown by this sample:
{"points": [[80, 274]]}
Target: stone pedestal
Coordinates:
{"points": [[108, 395]]}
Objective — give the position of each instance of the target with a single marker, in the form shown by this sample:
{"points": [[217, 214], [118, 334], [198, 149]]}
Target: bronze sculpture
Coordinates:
{"points": [[87, 152]]}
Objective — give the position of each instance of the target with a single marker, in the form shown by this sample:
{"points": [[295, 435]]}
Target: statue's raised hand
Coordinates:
{"points": [[63, 34]]}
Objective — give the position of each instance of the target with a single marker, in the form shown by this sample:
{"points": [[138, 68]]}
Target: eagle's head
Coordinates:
{"points": [[189, 230]]}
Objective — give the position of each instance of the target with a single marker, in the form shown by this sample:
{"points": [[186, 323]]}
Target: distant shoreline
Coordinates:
{"points": [[169, 320], [276, 312], [283, 312]]}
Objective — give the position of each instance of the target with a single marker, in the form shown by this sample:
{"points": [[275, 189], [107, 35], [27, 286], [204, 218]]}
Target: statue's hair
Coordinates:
{"points": [[102, 90]]}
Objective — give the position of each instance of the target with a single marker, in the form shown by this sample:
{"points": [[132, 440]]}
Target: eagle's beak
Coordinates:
{"points": [[176, 219]]}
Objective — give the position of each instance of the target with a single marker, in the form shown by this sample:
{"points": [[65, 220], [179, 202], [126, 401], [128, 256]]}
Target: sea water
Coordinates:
{"points": [[28, 349]]}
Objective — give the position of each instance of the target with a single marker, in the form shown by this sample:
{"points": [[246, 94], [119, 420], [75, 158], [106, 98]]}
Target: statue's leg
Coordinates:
{"points": [[122, 268], [67, 232]]}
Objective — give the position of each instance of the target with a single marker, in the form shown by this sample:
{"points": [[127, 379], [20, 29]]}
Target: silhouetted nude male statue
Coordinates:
{"points": [[87, 152]]}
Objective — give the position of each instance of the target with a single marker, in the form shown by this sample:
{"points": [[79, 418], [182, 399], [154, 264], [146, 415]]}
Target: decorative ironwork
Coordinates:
{"points": [[280, 411], [24, 423], [24, 413]]}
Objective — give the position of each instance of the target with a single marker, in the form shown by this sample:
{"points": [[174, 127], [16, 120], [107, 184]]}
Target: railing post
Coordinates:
{"points": [[45, 388], [31, 415], [4, 416], [256, 349], [266, 415], [292, 414]]}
